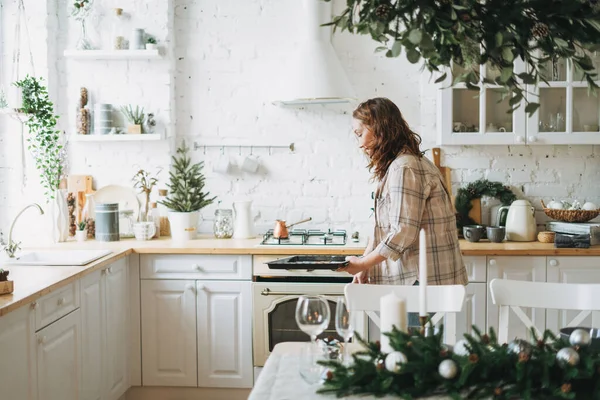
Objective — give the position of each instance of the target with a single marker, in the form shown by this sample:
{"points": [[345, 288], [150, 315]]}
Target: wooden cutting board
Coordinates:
{"points": [[445, 171], [79, 185]]}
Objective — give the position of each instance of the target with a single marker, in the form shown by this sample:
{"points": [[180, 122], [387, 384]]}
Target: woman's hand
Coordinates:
{"points": [[361, 277], [355, 265]]}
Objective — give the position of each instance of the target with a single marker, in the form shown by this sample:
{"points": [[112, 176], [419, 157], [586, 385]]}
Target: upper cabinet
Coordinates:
{"points": [[567, 114]]}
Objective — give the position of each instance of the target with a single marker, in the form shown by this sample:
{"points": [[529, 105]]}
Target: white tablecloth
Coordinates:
{"points": [[280, 379]]}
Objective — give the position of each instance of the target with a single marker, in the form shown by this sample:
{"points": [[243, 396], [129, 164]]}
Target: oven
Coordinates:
{"points": [[275, 293]]}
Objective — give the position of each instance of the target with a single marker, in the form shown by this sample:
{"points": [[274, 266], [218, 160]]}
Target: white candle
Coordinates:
{"points": [[392, 312], [422, 274]]}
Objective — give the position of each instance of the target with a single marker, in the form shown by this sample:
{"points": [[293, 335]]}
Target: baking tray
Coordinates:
{"points": [[309, 262]]}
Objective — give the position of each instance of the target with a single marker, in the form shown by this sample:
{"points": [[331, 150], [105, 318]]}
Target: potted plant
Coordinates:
{"points": [[150, 43], [134, 117], [144, 183], [81, 233], [186, 196], [6, 286]]}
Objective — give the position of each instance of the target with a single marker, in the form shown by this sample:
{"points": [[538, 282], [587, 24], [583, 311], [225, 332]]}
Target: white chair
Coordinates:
{"points": [[512, 295], [443, 300]]}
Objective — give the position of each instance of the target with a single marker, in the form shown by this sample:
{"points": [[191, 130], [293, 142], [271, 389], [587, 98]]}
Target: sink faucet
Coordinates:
{"points": [[12, 247]]}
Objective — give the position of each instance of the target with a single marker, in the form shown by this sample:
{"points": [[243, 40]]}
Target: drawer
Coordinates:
{"points": [[193, 266], [56, 305]]}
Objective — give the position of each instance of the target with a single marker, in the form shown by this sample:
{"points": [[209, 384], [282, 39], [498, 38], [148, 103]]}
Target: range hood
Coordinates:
{"points": [[314, 75]]}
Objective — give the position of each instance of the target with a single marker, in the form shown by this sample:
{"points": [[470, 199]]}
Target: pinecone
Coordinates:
{"points": [[383, 11], [83, 97], [540, 30]]}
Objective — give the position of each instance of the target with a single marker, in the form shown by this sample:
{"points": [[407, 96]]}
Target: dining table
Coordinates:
{"points": [[280, 378]]}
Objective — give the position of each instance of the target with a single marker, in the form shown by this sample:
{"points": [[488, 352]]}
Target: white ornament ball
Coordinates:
{"points": [[555, 205], [589, 206], [567, 356], [580, 337], [460, 348], [448, 369], [394, 361]]}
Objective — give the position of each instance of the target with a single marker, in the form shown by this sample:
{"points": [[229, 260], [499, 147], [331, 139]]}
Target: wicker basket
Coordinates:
{"points": [[546, 237], [570, 215]]}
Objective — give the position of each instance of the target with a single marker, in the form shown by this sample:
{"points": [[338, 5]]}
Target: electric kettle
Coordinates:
{"points": [[520, 221], [242, 223]]}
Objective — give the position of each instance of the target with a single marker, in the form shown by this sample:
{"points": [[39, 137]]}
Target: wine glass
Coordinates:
{"points": [[343, 325], [312, 315]]}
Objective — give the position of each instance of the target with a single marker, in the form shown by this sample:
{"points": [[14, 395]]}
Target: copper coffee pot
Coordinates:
{"points": [[280, 231]]}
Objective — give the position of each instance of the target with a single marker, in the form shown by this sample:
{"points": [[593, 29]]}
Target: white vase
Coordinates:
{"points": [[60, 216], [150, 46], [81, 236], [183, 225]]}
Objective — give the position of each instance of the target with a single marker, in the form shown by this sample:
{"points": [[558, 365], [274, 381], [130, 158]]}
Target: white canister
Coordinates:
{"points": [[183, 225], [136, 40], [103, 121]]}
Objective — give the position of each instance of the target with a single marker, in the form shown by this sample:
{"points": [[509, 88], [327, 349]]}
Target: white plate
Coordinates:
{"points": [[125, 196]]}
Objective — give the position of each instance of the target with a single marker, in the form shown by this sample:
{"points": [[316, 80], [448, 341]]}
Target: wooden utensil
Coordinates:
{"points": [[445, 171], [79, 185]]}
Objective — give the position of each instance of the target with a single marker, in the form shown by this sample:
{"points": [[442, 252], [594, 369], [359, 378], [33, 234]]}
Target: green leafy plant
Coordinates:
{"points": [[475, 190], [144, 182], [3, 101], [186, 184], [151, 40], [81, 226], [470, 33], [44, 140], [135, 117]]}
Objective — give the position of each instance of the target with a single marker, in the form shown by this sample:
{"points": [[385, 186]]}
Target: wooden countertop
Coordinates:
{"points": [[33, 282]]}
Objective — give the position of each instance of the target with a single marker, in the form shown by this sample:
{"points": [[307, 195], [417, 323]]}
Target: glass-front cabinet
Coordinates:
{"points": [[567, 113]]}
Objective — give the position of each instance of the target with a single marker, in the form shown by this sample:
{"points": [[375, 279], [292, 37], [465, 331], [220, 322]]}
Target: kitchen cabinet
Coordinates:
{"points": [[532, 269], [567, 113], [59, 359], [224, 318], [572, 270], [468, 117], [169, 333], [104, 310], [474, 309], [18, 374]]}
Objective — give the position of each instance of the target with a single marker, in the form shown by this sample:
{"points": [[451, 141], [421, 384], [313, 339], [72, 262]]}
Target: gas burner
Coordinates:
{"points": [[310, 237]]}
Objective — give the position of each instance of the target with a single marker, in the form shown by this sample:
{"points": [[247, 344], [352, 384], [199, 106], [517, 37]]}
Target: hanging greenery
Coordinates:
{"points": [[44, 140], [470, 33], [475, 190], [478, 367]]}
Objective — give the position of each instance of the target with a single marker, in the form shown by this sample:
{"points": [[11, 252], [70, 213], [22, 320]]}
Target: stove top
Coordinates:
{"points": [[307, 237]]}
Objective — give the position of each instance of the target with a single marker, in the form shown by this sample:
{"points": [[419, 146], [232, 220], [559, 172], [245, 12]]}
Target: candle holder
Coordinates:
{"points": [[423, 322]]}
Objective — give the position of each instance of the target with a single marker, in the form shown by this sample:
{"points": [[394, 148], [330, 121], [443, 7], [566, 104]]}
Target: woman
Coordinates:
{"points": [[411, 194]]}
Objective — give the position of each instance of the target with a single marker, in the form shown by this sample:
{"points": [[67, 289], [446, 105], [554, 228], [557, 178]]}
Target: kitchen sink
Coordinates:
{"points": [[59, 257]]}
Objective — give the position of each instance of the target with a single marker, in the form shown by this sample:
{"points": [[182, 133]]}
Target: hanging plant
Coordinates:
{"points": [[44, 140], [470, 33]]}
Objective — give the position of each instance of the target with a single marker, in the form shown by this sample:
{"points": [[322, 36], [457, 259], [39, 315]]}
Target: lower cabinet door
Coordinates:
{"points": [[225, 334], [59, 359], [18, 373], [169, 333], [92, 336], [473, 312]]}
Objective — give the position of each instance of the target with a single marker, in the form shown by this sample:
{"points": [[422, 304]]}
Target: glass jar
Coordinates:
{"points": [[126, 224], [117, 32], [223, 225], [88, 214], [163, 211]]}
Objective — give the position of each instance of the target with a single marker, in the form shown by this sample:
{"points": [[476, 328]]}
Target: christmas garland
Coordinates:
{"points": [[475, 190], [478, 367]]}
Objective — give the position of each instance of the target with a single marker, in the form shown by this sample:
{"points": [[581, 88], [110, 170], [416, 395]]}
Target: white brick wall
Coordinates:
{"points": [[223, 57]]}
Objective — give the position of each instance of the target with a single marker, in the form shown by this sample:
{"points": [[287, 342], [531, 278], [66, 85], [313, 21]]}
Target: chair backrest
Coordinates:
{"points": [[512, 295], [444, 300]]}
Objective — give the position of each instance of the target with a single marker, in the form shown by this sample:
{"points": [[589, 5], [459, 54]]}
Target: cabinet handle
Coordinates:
{"points": [[520, 139], [103, 272], [61, 301], [109, 270], [197, 267], [201, 287], [190, 287], [42, 340], [533, 139], [34, 305], [492, 262], [553, 263]]}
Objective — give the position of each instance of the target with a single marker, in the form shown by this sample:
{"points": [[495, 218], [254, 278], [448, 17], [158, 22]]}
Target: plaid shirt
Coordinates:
{"points": [[411, 196]]}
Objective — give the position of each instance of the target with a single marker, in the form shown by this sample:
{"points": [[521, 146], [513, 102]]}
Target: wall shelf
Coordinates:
{"points": [[144, 137], [112, 54]]}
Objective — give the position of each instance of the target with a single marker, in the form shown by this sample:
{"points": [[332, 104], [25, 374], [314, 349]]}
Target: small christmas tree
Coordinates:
{"points": [[186, 184]]}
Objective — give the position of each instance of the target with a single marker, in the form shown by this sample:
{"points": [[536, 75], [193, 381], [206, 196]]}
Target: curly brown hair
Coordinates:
{"points": [[391, 133]]}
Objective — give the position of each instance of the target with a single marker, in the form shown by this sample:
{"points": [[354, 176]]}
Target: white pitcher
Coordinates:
{"points": [[520, 221], [243, 226]]}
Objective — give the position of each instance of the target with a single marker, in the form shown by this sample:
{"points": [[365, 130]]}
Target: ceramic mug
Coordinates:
{"points": [[144, 230], [223, 166], [496, 233], [250, 164], [473, 233]]}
